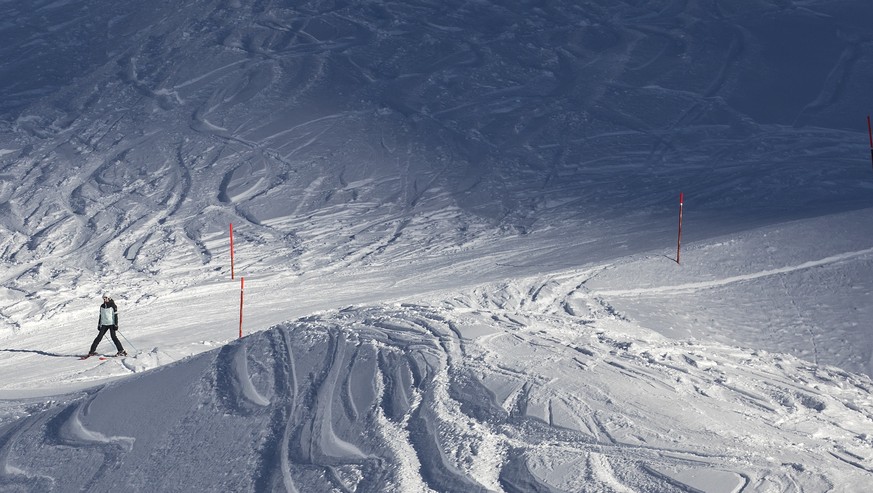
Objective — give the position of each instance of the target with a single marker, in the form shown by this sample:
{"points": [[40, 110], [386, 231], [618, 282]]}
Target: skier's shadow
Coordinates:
{"points": [[35, 351]]}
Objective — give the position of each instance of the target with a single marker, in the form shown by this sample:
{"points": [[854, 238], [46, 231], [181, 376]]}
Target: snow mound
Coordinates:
{"points": [[457, 396]]}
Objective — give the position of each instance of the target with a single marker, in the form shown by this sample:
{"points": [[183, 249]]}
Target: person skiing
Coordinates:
{"points": [[108, 320]]}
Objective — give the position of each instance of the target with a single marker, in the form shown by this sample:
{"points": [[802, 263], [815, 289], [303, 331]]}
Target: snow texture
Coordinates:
{"points": [[457, 224]]}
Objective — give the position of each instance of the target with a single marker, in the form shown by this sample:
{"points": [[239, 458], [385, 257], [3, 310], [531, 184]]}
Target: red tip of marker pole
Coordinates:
{"points": [[870, 131]]}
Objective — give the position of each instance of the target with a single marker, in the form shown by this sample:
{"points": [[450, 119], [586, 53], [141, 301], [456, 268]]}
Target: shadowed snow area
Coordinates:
{"points": [[457, 225]]}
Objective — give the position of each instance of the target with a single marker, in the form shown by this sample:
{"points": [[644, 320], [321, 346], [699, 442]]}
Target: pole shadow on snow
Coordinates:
{"points": [[41, 353]]}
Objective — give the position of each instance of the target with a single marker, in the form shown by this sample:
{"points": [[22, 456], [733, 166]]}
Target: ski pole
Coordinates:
{"points": [[128, 341]]}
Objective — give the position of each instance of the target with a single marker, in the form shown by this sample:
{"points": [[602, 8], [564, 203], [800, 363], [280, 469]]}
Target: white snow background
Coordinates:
{"points": [[457, 224]]}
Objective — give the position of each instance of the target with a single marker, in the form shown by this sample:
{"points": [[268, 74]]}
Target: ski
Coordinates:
{"points": [[102, 356], [113, 356]]}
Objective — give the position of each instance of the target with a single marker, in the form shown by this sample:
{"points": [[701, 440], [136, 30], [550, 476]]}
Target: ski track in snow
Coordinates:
{"points": [[491, 390], [499, 123], [690, 287], [487, 188]]}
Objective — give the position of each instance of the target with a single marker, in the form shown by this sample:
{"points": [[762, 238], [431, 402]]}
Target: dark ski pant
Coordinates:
{"points": [[103, 329]]}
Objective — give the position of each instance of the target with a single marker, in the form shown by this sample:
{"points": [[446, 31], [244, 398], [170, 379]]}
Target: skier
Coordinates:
{"points": [[108, 321]]}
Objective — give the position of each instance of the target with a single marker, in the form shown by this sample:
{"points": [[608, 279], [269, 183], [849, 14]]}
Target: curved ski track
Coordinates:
{"points": [[498, 389]]}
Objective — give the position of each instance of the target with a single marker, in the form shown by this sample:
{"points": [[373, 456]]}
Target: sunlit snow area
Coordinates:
{"points": [[457, 224]]}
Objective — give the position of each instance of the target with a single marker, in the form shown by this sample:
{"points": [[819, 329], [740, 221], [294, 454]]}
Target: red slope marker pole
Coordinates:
{"points": [[679, 240], [242, 282], [231, 250], [870, 133]]}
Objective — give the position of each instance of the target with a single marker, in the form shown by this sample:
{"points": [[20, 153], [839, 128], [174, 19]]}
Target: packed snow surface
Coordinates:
{"points": [[457, 226]]}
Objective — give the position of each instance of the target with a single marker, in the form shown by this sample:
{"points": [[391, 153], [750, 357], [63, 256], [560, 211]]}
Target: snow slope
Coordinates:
{"points": [[531, 384], [456, 222]]}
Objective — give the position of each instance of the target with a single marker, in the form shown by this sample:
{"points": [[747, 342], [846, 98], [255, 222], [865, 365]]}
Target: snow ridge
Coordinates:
{"points": [[418, 397]]}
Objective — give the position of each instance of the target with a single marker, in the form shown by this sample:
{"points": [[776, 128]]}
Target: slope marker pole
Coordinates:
{"points": [[679, 239], [231, 250], [870, 133]]}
